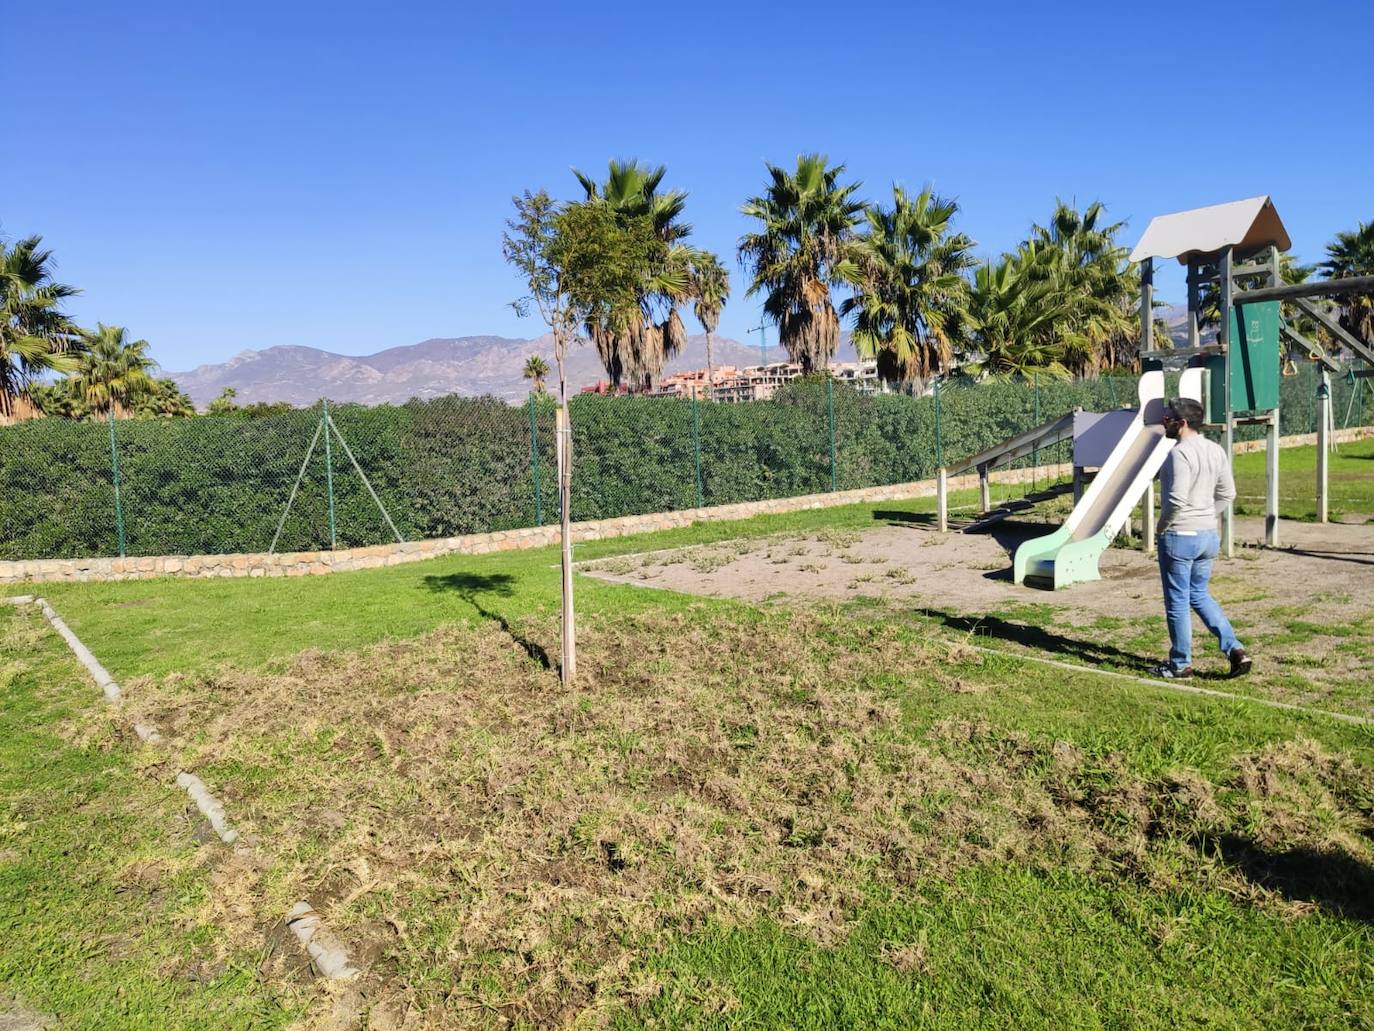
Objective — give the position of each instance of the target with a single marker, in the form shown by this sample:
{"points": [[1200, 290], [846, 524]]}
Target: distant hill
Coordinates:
{"points": [[450, 365]]}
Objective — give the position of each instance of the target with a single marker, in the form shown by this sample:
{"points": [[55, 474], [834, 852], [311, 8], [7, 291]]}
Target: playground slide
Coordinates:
{"points": [[1070, 555]]}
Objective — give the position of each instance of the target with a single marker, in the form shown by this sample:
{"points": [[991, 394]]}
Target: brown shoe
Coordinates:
{"points": [[1240, 662]]}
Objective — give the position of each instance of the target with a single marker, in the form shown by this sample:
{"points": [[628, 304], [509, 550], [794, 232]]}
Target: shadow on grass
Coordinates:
{"points": [[469, 586], [1336, 881], [1041, 639], [896, 517]]}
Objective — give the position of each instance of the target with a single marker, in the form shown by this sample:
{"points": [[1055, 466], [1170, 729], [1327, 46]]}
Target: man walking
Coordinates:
{"points": [[1195, 487]]}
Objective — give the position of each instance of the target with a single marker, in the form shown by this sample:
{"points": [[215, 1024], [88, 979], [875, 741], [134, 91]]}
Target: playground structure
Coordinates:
{"points": [[1232, 253]]}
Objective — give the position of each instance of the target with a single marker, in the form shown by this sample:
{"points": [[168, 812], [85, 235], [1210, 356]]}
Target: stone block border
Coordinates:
{"points": [[312, 563]]}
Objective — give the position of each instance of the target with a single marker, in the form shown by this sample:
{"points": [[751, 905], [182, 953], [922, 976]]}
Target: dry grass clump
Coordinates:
{"points": [[503, 848]]}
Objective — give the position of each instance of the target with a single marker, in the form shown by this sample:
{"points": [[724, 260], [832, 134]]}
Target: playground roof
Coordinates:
{"points": [[1243, 224]]}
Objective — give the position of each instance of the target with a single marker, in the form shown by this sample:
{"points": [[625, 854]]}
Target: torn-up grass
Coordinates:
{"points": [[506, 850]]}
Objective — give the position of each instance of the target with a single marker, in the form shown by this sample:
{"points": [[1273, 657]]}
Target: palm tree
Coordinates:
{"points": [[1352, 254], [1014, 317], [165, 401], [636, 341], [114, 372], [910, 304], [799, 251], [1077, 251], [536, 369], [710, 286], [36, 336]]}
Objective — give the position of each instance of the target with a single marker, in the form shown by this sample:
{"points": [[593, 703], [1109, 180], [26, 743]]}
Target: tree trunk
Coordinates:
{"points": [[563, 438], [710, 371]]}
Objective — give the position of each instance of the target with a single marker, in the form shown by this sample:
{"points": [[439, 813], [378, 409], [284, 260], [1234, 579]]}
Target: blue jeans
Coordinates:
{"points": [[1185, 566]]}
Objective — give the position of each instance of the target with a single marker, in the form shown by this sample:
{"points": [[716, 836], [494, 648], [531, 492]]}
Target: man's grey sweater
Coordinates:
{"points": [[1195, 485]]}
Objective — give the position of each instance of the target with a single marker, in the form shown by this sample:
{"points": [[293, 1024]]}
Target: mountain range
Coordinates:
{"points": [[472, 366]]}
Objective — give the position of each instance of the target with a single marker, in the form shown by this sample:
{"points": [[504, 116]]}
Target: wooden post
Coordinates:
{"points": [[941, 501], [984, 494], [563, 433], [1228, 516], [1323, 445], [1149, 528], [1271, 482], [1077, 484]]}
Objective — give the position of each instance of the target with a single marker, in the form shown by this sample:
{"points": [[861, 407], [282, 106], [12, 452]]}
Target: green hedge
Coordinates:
{"points": [[460, 465]]}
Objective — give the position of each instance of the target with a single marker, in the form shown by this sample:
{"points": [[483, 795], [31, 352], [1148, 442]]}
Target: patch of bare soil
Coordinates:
{"points": [[1321, 578], [501, 850]]}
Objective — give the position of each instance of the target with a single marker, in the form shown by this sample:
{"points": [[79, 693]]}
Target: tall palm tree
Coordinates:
{"points": [[910, 304], [710, 286], [801, 247], [536, 370], [36, 336], [1352, 254], [1014, 316], [115, 372], [636, 341], [1077, 251]]}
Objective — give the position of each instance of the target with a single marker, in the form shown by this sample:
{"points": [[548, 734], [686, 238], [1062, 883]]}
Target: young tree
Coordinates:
{"points": [[225, 404], [578, 264]]}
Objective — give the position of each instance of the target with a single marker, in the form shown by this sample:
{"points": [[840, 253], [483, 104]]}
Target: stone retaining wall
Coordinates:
{"points": [[308, 563]]}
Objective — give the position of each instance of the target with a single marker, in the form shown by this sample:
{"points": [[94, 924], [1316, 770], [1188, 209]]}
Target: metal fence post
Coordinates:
{"points": [[114, 468], [534, 465], [1035, 451], [329, 475], [696, 448], [830, 408]]}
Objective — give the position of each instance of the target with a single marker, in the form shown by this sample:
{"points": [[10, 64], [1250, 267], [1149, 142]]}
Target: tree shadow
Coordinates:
{"points": [[469, 586], [1333, 880]]}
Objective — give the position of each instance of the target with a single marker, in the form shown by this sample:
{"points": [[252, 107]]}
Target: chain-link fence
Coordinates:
{"points": [[454, 465]]}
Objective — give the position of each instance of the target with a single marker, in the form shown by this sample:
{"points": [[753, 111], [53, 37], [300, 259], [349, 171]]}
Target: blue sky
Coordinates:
{"points": [[222, 177]]}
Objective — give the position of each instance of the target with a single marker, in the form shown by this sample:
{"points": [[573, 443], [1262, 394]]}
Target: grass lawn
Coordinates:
{"points": [[1350, 481], [107, 910], [773, 816]]}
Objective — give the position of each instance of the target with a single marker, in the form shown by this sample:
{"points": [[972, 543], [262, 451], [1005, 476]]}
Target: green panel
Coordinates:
{"points": [[1255, 370], [1216, 387]]}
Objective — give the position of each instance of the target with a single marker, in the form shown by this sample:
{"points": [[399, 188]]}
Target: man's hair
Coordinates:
{"points": [[1188, 410]]}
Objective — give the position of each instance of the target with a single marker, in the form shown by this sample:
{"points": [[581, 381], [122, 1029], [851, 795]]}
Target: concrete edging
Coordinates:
{"points": [[326, 953]]}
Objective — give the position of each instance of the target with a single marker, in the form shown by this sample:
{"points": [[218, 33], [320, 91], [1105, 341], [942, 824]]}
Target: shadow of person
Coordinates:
{"points": [[1333, 880], [471, 587], [1039, 638]]}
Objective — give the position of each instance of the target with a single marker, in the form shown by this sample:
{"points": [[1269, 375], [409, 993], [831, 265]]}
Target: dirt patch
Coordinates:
{"points": [[502, 849], [1302, 610]]}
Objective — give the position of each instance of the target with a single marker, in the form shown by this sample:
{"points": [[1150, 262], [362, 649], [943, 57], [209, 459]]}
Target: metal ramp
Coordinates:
{"points": [[1018, 506]]}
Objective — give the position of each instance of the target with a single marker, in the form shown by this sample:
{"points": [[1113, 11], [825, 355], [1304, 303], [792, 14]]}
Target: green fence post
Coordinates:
{"points": [[329, 474], [830, 408], [114, 468], [696, 448], [939, 442], [1035, 451], [1111, 389], [534, 465]]}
